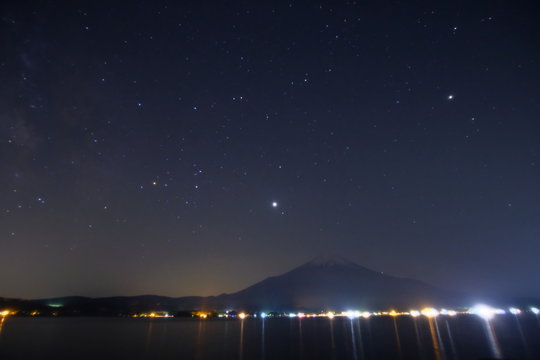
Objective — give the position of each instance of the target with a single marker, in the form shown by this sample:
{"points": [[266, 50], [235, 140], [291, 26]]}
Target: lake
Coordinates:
{"points": [[383, 337]]}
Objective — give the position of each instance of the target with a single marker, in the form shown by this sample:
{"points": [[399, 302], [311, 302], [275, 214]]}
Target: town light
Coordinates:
{"points": [[352, 314], [330, 315], [484, 311], [366, 314], [429, 312], [514, 311]]}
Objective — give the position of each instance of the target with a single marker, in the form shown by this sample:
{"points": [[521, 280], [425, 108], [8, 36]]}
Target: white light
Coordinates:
{"points": [[366, 314], [352, 314], [535, 310], [483, 311], [514, 311], [263, 315], [292, 315], [430, 312], [414, 313], [450, 97], [330, 315], [274, 204]]}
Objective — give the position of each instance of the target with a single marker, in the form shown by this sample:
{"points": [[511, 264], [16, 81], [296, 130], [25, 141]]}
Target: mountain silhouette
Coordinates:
{"points": [[324, 283], [338, 284]]}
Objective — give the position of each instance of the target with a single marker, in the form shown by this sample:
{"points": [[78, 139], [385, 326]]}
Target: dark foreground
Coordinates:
{"points": [[444, 338]]}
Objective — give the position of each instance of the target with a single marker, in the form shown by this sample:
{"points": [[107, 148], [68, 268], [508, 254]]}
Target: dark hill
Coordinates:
{"points": [[321, 284], [338, 284]]}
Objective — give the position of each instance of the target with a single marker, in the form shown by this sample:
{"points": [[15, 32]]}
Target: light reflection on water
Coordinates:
{"points": [[434, 332], [241, 351], [300, 338], [361, 340], [492, 339], [332, 339], [148, 335], [439, 339], [453, 351], [263, 336], [418, 338], [200, 338], [353, 341], [522, 336], [2, 319], [398, 341]]}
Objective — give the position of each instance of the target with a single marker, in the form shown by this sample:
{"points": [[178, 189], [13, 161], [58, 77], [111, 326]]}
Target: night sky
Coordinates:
{"points": [[196, 148]]}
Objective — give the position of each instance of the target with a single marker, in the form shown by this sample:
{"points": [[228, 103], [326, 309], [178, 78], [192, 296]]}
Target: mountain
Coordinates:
{"points": [[338, 284], [325, 283]]}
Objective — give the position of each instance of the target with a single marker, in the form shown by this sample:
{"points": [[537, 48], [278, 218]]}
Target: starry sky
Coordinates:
{"points": [[195, 148]]}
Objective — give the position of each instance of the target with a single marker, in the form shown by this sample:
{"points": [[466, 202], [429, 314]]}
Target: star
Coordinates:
{"points": [[274, 204], [450, 97]]}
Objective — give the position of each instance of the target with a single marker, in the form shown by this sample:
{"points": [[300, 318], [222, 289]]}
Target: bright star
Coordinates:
{"points": [[450, 97], [274, 204]]}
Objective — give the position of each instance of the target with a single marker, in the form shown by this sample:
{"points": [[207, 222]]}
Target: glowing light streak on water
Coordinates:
{"points": [[263, 338], [451, 340], [360, 340], [492, 339], [200, 337], [241, 346], [398, 341], [434, 339], [417, 335], [439, 338], [2, 319], [300, 336], [148, 334], [353, 341], [332, 339], [522, 336]]}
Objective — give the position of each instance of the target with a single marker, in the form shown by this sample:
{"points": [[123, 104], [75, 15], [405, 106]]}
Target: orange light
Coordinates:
{"points": [[430, 312]]}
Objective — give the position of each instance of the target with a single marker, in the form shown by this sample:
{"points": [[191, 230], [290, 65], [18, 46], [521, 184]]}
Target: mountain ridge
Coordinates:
{"points": [[323, 283]]}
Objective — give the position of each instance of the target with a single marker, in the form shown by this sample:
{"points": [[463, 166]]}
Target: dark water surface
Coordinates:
{"points": [[443, 338]]}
